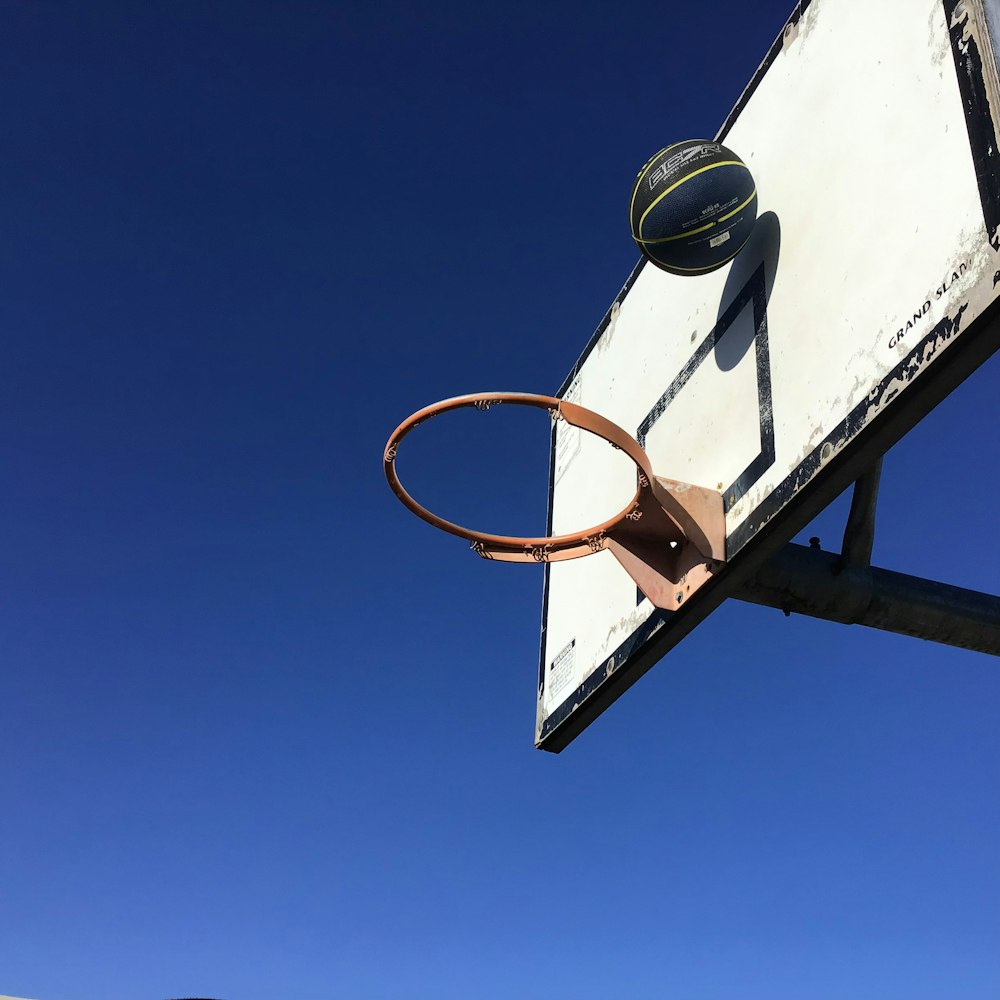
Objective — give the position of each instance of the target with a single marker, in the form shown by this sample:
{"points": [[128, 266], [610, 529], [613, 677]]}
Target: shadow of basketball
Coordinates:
{"points": [[763, 247]]}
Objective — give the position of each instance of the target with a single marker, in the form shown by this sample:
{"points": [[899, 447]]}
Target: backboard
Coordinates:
{"points": [[867, 291]]}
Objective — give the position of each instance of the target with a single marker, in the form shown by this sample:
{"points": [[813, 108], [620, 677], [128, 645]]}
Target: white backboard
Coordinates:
{"points": [[864, 295]]}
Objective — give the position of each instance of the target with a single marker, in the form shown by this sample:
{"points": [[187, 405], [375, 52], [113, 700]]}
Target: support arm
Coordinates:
{"points": [[816, 583]]}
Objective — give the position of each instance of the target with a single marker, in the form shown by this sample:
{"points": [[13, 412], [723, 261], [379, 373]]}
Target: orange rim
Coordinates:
{"points": [[514, 548]]}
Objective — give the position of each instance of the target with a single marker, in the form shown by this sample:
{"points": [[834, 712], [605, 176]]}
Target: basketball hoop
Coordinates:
{"points": [[670, 537]]}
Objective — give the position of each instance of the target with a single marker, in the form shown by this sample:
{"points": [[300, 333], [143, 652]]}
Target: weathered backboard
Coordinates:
{"points": [[865, 294]]}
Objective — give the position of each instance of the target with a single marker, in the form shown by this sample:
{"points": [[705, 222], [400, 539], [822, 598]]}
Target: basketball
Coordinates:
{"points": [[693, 207]]}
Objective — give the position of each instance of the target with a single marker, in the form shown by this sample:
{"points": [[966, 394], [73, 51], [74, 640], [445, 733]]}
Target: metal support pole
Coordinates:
{"points": [[823, 585], [859, 533]]}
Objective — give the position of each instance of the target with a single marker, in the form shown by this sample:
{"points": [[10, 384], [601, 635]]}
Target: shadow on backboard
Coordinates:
{"points": [[763, 247]]}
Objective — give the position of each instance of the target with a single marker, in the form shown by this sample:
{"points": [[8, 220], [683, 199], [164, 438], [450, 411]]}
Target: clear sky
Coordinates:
{"points": [[267, 735]]}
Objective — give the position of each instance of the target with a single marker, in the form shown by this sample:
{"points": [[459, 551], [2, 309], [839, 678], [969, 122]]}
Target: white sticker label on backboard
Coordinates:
{"points": [[561, 668]]}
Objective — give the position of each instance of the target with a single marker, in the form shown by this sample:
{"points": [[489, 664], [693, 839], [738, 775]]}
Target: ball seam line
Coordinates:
{"points": [[700, 270], [739, 208], [700, 229], [638, 176], [679, 236], [684, 180]]}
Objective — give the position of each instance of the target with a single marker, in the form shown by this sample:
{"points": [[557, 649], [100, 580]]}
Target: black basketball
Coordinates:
{"points": [[693, 207]]}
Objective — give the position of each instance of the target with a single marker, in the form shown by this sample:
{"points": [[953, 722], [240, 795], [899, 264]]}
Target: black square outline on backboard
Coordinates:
{"points": [[753, 290]]}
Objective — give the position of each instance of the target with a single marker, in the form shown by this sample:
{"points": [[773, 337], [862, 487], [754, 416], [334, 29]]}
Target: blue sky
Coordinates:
{"points": [[266, 734]]}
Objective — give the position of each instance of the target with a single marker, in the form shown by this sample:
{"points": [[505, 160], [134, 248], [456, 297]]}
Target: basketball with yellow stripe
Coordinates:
{"points": [[693, 207]]}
